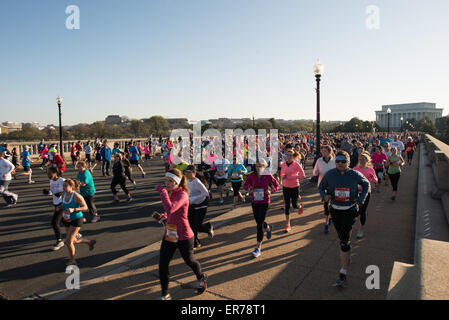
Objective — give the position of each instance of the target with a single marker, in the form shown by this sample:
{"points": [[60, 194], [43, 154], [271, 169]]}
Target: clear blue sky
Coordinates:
{"points": [[204, 59]]}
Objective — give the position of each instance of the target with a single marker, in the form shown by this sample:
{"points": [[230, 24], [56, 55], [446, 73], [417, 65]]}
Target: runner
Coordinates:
{"points": [[57, 161], [395, 162], [87, 189], [128, 168], [134, 157], [15, 161], [322, 166], [236, 172], [73, 205], [198, 198], [147, 151], [106, 156], [6, 168], [73, 154], [221, 175], [410, 150], [258, 184], [88, 152], [97, 157], [119, 178], [291, 173], [26, 163], [379, 158], [364, 167], [116, 149], [44, 156], [339, 186], [177, 234], [56, 190]]}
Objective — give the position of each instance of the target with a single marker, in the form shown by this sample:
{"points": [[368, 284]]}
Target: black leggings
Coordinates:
{"points": [[122, 182], [362, 211], [260, 212], [166, 254], [196, 217], [91, 205], [410, 155], [394, 179], [236, 187], [290, 194], [343, 221], [129, 174], [55, 221]]}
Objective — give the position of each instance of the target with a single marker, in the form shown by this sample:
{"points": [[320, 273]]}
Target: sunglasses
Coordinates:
{"points": [[341, 161]]}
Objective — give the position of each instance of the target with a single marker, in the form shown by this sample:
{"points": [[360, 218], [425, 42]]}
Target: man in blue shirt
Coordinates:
{"points": [[339, 187], [384, 139], [106, 156], [26, 163], [134, 157]]}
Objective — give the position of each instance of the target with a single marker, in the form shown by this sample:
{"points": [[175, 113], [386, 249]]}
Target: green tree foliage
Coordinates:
{"points": [[442, 127]]}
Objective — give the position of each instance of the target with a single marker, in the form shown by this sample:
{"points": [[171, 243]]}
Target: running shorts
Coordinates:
{"points": [[134, 162], [78, 223]]}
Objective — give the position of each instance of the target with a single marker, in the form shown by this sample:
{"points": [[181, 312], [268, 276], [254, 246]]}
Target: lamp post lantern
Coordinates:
{"points": [[318, 71], [402, 119], [61, 151], [388, 116]]}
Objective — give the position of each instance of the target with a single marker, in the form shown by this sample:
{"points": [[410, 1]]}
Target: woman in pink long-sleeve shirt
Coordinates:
{"points": [[258, 184], [177, 234], [291, 172]]}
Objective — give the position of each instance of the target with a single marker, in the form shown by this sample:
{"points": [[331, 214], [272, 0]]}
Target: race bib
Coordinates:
{"points": [[342, 194], [220, 173], [66, 216], [259, 194], [171, 234], [235, 175]]}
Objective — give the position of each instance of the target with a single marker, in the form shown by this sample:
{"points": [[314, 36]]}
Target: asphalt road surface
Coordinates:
{"points": [[26, 237]]}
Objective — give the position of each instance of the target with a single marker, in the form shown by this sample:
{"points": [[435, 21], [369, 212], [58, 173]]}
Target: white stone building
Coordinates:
{"points": [[407, 111]]}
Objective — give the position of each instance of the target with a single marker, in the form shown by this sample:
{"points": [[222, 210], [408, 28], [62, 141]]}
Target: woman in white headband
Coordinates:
{"points": [[177, 234]]}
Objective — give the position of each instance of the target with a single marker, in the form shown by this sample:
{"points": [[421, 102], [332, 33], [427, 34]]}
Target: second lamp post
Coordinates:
{"points": [[318, 70]]}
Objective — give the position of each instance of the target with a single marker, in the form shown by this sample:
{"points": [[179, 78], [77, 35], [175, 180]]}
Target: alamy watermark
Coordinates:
{"points": [[234, 145], [73, 280], [373, 281], [373, 19], [73, 20]]}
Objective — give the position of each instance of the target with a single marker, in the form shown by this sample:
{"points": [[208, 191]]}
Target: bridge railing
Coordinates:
{"points": [[438, 155]]}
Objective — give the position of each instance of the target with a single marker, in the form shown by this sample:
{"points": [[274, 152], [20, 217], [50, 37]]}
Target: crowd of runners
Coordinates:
{"points": [[348, 171]]}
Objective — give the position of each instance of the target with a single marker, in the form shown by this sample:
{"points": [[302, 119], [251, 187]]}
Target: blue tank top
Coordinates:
{"points": [[71, 204]]}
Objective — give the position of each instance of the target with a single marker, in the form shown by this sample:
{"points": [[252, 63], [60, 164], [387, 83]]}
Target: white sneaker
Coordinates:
{"points": [[58, 246], [78, 236], [95, 219], [31, 181]]}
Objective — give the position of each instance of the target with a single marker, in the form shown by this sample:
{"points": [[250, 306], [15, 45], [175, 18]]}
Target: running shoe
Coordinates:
{"points": [[92, 244], [256, 253], [221, 201], [197, 246], [234, 206], [211, 232], [78, 236], [31, 182], [386, 183], [166, 297], [202, 284], [42, 168], [360, 234], [84, 220], [129, 199], [95, 219], [341, 282], [288, 228], [326, 228], [143, 175], [115, 201], [269, 232], [58, 246]]}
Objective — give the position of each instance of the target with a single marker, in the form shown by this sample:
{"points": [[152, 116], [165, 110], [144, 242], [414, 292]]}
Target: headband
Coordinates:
{"points": [[341, 157], [174, 177]]}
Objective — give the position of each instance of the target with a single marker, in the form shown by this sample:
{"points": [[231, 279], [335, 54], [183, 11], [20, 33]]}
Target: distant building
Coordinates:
{"points": [[35, 125], [178, 123], [113, 119], [409, 111], [3, 130], [12, 126]]}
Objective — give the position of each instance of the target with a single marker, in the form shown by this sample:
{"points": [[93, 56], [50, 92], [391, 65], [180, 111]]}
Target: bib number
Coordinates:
{"points": [[235, 175], [342, 194], [66, 216], [259, 194], [171, 234]]}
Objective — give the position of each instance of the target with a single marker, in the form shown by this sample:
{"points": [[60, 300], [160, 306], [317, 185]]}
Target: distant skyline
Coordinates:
{"points": [[202, 59]]}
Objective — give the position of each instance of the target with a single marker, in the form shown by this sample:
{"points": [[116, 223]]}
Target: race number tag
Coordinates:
{"points": [[66, 216], [259, 194], [342, 194], [220, 173], [235, 175], [172, 234]]}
